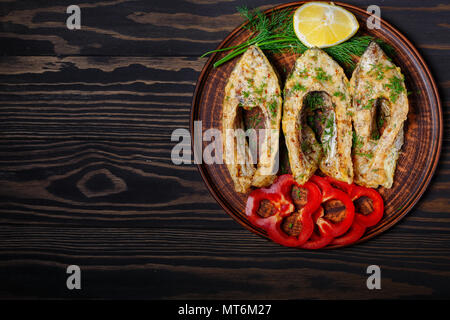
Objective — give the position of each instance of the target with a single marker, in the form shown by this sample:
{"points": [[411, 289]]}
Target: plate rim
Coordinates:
{"points": [[429, 173]]}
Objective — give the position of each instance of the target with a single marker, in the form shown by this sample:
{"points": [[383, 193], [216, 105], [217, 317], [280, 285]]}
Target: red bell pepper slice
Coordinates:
{"points": [[283, 205], [321, 235], [330, 193], [355, 232], [314, 198], [362, 222], [375, 216], [344, 186], [279, 195]]}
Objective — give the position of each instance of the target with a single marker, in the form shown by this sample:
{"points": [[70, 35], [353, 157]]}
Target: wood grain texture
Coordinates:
{"points": [[86, 178]]}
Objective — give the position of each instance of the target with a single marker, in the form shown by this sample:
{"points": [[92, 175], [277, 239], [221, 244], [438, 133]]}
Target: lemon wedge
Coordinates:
{"points": [[319, 24]]}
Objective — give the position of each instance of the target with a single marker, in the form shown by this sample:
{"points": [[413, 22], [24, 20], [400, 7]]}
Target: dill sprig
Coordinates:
{"points": [[275, 33]]}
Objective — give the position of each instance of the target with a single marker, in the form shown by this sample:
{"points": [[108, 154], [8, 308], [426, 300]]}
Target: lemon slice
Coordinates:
{"points": [[319, 24]]}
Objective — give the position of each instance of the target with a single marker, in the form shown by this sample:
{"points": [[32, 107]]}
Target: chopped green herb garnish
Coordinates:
{"points": [[298, 87], [377, 70], [273, 108], [314, 101], [322, 75], [375, 135], [396, 86], [261, 88], [369, 87], [380, 122], [340, 95], [369, 104], [298, 192], [367, 155], [357, 141], [303, 73]]}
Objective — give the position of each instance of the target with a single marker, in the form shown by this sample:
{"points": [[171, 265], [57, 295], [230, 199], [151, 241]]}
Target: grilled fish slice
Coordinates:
{"points": [[252, 84], [326, 145], [379, 108]]}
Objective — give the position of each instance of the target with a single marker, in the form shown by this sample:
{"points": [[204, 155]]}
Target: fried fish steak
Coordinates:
{"points": [[316, 122], [379, 110], [252, 84]]}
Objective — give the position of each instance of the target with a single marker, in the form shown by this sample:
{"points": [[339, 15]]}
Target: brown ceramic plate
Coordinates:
{"points": [[423, 130]]}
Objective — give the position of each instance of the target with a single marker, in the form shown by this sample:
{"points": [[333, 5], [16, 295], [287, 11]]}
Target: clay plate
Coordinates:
{"points": [[423, 129]]}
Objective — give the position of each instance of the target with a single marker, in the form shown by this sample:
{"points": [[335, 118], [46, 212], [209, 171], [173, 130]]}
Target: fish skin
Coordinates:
{"points": [[311, 72], [261, 91], [375, 160]]}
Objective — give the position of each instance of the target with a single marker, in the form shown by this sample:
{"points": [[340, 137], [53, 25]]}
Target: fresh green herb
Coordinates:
{"points": [[328, 134], [369, 104], [275, 32], [246, 94], [261, 88], [314, 101], [254, 121], [273, 108], [380, 122], [345, 53], [357, 141], [340, 95], [303, 73], [322, 75], [377, 70], [322, 120], [310, 121], [329, 125], [298, 192], [298, 87], [369, 87], [349, 113], [367, 155], [375, 135], [396, 86]]}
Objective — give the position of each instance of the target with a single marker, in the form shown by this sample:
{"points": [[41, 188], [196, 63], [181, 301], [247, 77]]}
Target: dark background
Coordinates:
{"points": [[86, 177]]}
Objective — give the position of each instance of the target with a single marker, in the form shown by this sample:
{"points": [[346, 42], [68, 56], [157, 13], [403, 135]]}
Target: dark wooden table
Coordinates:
{"points": [[86, 177]]}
